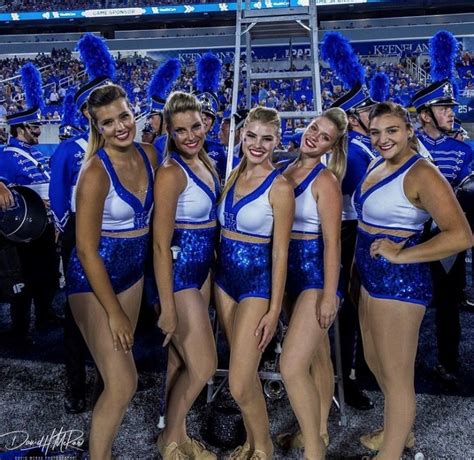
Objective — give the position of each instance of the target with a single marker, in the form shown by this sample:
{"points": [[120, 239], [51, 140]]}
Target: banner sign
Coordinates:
{"points": [[166, 10]]}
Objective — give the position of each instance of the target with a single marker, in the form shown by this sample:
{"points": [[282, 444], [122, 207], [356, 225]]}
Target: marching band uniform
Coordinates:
{"points": [[22, 164], [453, 158]]}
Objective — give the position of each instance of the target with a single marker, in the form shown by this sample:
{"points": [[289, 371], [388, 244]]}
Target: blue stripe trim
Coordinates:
{"points": [[199, 182], [127, 196], [390, 228], [303, 185], [360, 197]]}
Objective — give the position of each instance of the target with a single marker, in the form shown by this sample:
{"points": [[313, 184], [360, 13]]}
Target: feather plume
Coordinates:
{"points": [[96, 57], [164, 78], [69, 108], [208, 73], [379, 87], [339, 54], [443, 51], [31, 82]]}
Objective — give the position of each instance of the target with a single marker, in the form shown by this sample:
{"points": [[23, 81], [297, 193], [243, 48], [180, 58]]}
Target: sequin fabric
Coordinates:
{"points": [[124, 260], [305, 267], [244, 269], [195, 257], [382, 279]]}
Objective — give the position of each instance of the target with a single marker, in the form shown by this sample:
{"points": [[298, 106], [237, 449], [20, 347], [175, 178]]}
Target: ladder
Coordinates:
{"points": [[274, 23], [260, 24]]}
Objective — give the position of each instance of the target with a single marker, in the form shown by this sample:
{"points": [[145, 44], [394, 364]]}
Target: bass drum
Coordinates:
{"points": [[26, 219]]}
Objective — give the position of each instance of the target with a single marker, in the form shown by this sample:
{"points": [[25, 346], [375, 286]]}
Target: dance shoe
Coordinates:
{"points": [[196, 450], [295, 440], [374, 440], [170, 451], [241, 453]]}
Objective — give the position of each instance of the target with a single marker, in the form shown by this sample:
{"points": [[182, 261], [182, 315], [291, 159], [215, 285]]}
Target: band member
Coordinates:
{"points": [[397, 196], [256, 213], [104, 281], [435, 107], [22, 163]]}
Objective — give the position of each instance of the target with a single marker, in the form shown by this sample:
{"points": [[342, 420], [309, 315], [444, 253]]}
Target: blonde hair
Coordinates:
{"points": [[391, 108], [104, 95], [180, 102], [338, 159], [264, 115]]}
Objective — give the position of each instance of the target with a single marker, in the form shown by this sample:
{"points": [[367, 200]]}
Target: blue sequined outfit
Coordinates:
{"points": [[123, 257], [243, 269], [305, 267], [384, 280], [124, 260], [195, 258], [384, 206]]}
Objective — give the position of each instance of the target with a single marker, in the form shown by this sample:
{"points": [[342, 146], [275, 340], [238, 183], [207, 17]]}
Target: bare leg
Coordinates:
{"points": [[394, 328], [323, 376], [194, 342], [226, 308], [303, 338], [117, 368]]}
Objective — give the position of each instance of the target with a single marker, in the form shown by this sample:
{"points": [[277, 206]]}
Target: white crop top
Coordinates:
{"points": [[252, 214], [385, 203], [306, 211], [123, 211], [197, 203]]}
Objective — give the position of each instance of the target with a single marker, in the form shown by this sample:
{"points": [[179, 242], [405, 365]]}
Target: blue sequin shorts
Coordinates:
{"points": [[244, 269], [305, 266], [124, 260], [384, 280], [195, 258]]}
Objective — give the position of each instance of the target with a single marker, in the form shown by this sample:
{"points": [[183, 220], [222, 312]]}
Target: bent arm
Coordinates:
{"points": [[430, 190]]}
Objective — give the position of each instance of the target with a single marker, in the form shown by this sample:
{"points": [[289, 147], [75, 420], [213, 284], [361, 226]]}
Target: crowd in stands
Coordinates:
{"points": [[58, 5], [134, 73]]}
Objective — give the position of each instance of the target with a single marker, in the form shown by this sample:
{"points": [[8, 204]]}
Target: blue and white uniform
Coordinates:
{"points": [[360, 153], [22, 164], [66, 163], [217, 153], [196, 206], [452, 157], [124, 257], [386, 207], [306, 256], [244, 268], [160, 147]]}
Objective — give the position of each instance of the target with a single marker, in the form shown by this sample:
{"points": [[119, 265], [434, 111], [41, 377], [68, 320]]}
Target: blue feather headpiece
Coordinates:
{"points": [[31, 81], [208, 73], [162, 82], [99, 64], [69, 108], [443, 51], [96, 57], [379, 87], [339, 54]]}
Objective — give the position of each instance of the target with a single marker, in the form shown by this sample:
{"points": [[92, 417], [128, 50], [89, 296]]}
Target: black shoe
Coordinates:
{"points": [[355, 397], [447, 378], [74, 405]]}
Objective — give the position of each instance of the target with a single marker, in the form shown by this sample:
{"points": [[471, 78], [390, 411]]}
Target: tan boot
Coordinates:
{"points": [[241, 453], [170, 451], [196, 450]]}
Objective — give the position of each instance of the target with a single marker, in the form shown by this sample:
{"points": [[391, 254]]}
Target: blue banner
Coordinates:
{"points": [[164, 10]]}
